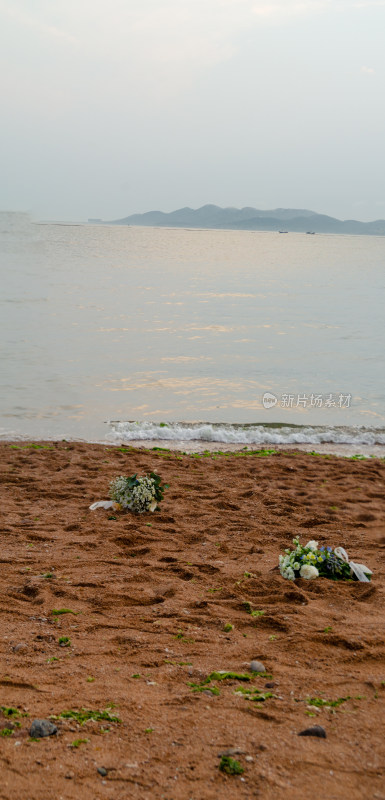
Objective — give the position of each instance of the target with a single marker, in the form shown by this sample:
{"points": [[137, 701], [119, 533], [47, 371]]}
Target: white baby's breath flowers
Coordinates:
{"points": [[140, 497], [309, 572], [312, 545], [286, 568], [143, 496], [289, 574]]}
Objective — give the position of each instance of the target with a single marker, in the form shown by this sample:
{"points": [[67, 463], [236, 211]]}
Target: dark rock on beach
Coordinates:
{"points": [[102, 771], [315, 730], [42, 727]]}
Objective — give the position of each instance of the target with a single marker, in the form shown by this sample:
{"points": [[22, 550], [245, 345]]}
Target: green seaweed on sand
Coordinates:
{"points": [[31, 447], [84, 715], [260, 453], [265, 453], [218, 676], [10, 712], [182, 638], [64, 641], [249, 693], [254, 694], [56, 612], [223, 675], [254, 612], [230, 766], [319, 702], [203, 687]]}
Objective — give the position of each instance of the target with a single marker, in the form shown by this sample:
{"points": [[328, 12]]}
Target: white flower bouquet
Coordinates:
{"points": [[134, 494], [310, 561], [138, 494]]}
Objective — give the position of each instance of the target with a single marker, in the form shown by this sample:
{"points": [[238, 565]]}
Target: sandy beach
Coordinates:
{"points": [[149, 606]]}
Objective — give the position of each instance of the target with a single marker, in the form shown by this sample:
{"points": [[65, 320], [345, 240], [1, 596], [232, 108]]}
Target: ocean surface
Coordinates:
{"points": [[139, 334]]}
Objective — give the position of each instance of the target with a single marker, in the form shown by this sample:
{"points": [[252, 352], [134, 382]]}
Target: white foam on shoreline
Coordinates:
{"points": [[242, 435]]}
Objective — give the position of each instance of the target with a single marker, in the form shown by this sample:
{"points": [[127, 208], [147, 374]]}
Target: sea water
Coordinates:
{"points": [[129, 333]]}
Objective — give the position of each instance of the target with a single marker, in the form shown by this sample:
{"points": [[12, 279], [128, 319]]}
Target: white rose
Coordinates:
{"points": [[312, 545], [308, 572], [153, 505]]}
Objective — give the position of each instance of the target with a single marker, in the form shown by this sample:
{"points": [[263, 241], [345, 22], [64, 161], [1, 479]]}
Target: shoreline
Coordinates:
{"points": [[200, 446]]}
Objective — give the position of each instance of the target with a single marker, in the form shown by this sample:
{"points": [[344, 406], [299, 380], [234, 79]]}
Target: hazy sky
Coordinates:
{"points": [[129, 105]]}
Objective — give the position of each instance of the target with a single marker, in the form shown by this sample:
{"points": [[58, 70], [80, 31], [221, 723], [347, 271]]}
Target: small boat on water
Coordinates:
{"points": [[283, 231], [310, 233]]}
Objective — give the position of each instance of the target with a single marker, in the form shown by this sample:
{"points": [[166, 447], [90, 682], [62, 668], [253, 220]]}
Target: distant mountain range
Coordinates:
{"points": [[297, 220]]}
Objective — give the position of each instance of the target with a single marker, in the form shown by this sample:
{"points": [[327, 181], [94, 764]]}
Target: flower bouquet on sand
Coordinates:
{"points": [[310, 561], [134, 494]]}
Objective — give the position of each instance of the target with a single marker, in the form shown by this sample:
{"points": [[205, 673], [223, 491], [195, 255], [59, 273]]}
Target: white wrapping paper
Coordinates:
{"points": [[359, 570]]}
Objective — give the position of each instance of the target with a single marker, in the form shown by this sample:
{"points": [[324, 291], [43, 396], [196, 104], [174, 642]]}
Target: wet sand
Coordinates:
{"points": [[199, 446], [152, 595]]}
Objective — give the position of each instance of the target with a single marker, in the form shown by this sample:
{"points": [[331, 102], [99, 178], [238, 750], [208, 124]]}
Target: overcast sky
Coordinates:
{"points": [[109, 108]]}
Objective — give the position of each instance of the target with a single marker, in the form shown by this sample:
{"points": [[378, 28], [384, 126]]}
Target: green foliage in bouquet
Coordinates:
{"points": [[138, 494]]}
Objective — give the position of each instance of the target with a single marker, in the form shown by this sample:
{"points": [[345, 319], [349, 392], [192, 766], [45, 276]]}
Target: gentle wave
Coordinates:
{"points": [[244, 434]]}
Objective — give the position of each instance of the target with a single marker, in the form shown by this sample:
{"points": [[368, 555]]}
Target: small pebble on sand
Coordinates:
{"points": [[102, 771], [257, 666], [20, 648]]}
